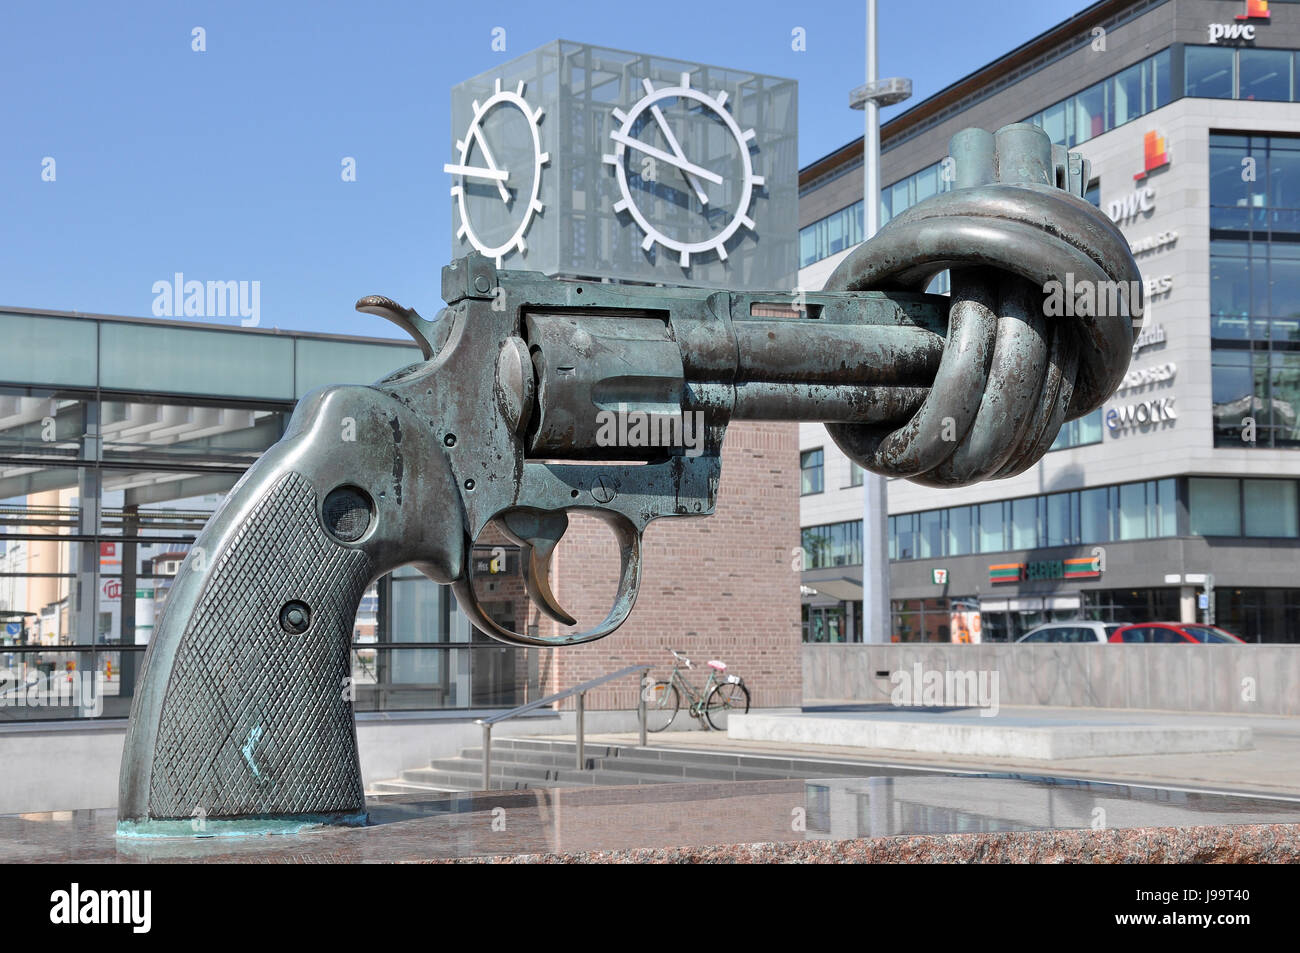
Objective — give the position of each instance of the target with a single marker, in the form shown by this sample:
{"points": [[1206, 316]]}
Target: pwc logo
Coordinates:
{"points": [[1255, 10], [1155, 155]]}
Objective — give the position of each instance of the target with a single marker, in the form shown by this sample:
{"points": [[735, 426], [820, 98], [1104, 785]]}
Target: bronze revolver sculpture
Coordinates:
{"points": [[241, 717]]}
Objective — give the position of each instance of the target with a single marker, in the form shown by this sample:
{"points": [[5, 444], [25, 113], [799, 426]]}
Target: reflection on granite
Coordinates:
{"points": [[888, 819]]}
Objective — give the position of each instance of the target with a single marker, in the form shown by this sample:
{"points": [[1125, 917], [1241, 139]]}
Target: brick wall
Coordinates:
{"points": [[717, 587]]}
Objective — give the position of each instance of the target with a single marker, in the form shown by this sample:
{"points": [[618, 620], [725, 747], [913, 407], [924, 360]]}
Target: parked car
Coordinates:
{"points": [[1070, 632], [1176, 633]]}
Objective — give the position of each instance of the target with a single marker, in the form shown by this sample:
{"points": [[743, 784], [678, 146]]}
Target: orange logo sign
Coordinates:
{"points": [[1255, 10], [1154, 154]]}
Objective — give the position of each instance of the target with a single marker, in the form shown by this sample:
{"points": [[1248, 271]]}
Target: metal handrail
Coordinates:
{"points": [[579, 690]]}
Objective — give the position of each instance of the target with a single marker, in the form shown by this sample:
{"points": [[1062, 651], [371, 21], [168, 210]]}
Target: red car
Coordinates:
{"points": [[1178, 632]]}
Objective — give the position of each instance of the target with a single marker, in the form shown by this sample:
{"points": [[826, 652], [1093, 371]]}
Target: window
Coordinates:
{"points": [[1269, 507], [1265, 74], [1162, 512], [1061, 528], [1078, 433], [1209, 71], [810, 463], [990, 529], [1089, 114], [1024, 523], [834, 544], [931, 534], [907, 533], [1215, 507], [1207, 634], [1094, 515], [830, 235], [855, 474], [961, 521], [1133, 511], [1128, 95]]}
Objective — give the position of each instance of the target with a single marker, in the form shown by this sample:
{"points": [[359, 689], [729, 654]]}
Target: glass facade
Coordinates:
{"points": [[1079, 433], [1232, 507], [835, 544], [1255, 289], [1225, 72], [1216, 506], [1128, 511], [832, 234], [1106, 105], [118, 439]]}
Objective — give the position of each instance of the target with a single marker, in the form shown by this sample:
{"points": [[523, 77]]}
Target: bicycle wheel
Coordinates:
{"points": [[661, 707], [725, 698]]}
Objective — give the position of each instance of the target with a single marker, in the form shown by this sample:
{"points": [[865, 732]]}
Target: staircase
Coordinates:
{"points": [[543, 763]]}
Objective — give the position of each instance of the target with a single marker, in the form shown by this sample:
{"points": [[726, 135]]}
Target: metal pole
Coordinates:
{"points": [[487, 757], [641, 709], [875, 499], [582, 710]]}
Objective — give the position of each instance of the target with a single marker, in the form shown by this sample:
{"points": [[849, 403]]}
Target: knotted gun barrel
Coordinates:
{"points": [[522, 411], [1010, 376]]}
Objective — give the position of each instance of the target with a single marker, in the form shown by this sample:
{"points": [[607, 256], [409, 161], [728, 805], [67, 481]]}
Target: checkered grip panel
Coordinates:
{"points": [[257, 721]]}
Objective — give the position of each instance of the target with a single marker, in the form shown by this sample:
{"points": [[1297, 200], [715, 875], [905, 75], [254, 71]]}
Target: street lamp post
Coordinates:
{"points": [[875, 502]]}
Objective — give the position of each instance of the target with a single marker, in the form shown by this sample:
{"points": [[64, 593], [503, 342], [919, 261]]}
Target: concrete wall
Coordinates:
{"points": [[1245, 679]]}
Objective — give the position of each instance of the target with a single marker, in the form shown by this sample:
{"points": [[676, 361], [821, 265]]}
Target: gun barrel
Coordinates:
{"points": [[867, 358]]}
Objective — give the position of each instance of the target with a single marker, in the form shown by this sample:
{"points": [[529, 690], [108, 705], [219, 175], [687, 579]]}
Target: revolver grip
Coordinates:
{"points": [[243, 717]]}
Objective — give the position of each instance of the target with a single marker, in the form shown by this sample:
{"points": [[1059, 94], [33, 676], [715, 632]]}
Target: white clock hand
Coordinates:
{"points": [[659, 154], [473, 171], [677, 150], [487, 154]]}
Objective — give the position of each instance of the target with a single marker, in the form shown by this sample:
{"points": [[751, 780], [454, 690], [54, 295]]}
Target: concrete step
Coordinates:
{"points": [[528, 775], [402, 786], [519, 763], [473, 781], [563, 753]]}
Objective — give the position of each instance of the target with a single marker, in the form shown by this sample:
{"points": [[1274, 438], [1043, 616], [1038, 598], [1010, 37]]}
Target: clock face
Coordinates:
{"points": [[684, 170], [497, 174]]}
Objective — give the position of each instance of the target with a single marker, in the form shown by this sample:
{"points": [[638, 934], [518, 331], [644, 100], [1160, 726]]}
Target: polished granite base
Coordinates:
{"points": [[888, 819]]}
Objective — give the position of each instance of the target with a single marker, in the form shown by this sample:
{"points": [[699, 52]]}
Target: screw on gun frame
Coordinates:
{"points": [[295, 617]]}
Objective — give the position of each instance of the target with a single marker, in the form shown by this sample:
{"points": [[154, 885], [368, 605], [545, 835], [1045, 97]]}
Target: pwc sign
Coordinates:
{"points": [[1255, 10], [1155, 155]]}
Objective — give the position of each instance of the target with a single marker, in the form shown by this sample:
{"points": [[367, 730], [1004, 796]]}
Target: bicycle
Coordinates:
{"points": [[721, 695]]}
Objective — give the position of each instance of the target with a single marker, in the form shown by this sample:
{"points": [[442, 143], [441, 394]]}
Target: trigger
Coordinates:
{"points": [[537, 580], [538, 532]]}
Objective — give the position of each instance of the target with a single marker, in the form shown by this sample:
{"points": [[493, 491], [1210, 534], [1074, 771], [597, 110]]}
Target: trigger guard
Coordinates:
{"points": [[629, 581]]}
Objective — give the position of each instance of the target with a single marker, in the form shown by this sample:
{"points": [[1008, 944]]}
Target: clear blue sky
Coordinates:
{"points": [[225, 164]]}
